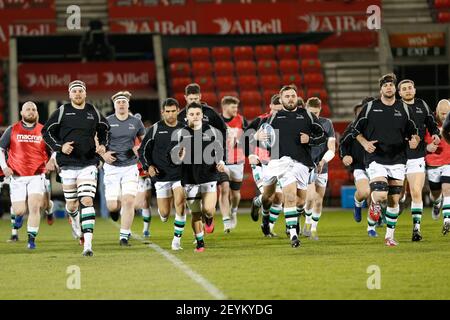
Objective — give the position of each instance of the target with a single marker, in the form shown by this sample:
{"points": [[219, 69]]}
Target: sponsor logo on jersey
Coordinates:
{"points": [[28, 138]]}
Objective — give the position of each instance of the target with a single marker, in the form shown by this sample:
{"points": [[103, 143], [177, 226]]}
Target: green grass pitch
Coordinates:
{"points": [[239, 265]]}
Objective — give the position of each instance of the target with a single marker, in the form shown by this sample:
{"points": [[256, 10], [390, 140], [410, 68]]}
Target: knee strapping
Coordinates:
{"points": [[234, 185], [70, 194], [87, 190], [395, 190], [379, 186], [435, 186]]}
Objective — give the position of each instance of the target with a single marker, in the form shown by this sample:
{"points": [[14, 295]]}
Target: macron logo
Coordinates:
{"points": [[28, 138]]}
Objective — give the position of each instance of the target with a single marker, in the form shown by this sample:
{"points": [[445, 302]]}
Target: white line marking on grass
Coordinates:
{"points": [[195, 276]]}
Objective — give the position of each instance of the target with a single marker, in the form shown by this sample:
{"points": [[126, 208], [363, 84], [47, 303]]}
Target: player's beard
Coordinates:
{"points": [[30, 119], [409, 99], [388, 96], [78, 101], [289, 106]]}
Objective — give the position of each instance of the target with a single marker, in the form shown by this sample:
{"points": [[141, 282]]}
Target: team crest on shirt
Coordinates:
{"points": [[90, 116], [397, 113], [131, 126], [418, 110]]}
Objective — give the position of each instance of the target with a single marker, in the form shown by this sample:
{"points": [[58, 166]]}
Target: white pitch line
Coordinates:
{"points": [[195, 276]]}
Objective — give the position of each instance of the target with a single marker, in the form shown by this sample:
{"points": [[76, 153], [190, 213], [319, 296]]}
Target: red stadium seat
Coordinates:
{"points": [[221, 53], [287, 51], [442, 4], [301, 94], [200, 54], [266, 52], [311, 65], [202, 69], [179, 96], [180, 69], [313, 80], [178, 84], [326, 112], [227, 93], [267, 67], [178, 55], [248, 83], [224, 68], [444, 17], [245, 67], [270, 82], [210, 98], [320, 93], [290, 66], [267, 95], [226, 83], [206, 83], [243, 53], [308, 51], [250, 98], [251, 112], [292, 78], [2, 87]]}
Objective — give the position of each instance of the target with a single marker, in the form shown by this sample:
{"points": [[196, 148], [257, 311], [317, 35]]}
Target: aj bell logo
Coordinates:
{"points": [[28, 138], [248, 26]]}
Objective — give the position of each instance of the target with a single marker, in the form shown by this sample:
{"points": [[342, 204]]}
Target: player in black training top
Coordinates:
{"points": [[383, 128]]}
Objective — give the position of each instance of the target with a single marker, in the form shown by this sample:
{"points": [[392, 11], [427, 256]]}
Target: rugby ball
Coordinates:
{"points": [[270, 131]]}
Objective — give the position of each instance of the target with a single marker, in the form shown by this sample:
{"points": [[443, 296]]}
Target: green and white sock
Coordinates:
{"points": [[358, 204], [199, 236], [87, 225], [32, 232], [265, 212], [308, 216], [275, 211], [258, 200], [290, 215], [300, 212], [416, 211], [178, 225], [437, 201], [391, 221], [124, 234], [147, 218], [13, 222], [370, 223], [446, 208], [315, 220]]}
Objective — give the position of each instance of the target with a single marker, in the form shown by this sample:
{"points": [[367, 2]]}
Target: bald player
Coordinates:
{"points": [[25, 167]]}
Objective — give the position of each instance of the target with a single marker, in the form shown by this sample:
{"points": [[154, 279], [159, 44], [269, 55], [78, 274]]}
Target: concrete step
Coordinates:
{"points": [[405, 6], [407, 20], [355, 86], [351, 72]]}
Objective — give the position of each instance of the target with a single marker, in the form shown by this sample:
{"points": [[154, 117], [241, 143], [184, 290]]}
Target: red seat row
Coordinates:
{"points": [[244, 67], [238, 53], [310, 81]]}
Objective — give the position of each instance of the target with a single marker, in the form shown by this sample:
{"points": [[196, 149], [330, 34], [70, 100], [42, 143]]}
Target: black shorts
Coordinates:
{"points": [[223, 177]]}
